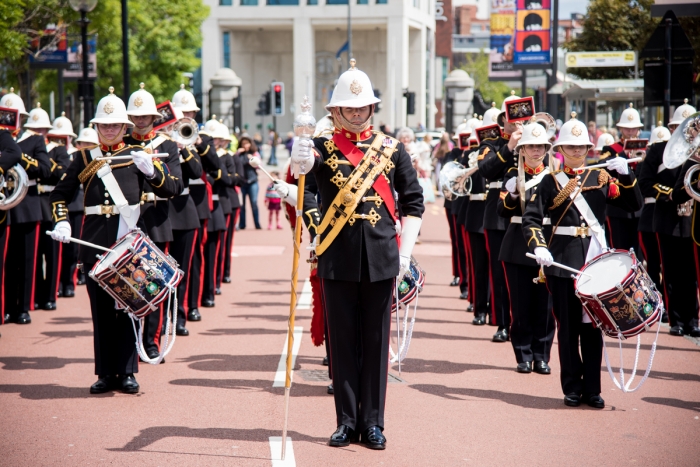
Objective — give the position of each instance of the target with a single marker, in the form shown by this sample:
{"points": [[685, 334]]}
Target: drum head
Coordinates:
{"points": [[119, 249], [605, 273]]}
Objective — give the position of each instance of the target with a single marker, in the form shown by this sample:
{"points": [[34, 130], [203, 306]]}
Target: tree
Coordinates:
{"points": [[477, 65]]}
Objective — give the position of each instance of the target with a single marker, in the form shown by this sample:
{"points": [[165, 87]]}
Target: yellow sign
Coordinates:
{"points": [[502, 25], [601, 59], [532, 20]]}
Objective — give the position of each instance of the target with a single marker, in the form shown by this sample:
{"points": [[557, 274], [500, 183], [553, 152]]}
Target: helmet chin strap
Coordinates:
{"points": [[338, 118], [561, 149], [116, 140]]}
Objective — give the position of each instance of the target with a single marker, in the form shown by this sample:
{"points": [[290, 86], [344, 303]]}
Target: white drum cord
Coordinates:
{"points": [[403, 339], [170, 330], [625, 387]]}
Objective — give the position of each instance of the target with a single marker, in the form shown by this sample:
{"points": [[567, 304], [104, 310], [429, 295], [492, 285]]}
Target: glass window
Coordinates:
{"points": [[381, 2], [225, 2], [227, 50], [312, 2], [249, 2], [336, 2], [283, 2], [362, 2]]}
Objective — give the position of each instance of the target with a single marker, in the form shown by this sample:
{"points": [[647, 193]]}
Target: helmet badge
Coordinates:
{"points": [[355, 87], [536, 132], [138, 102], [576, 131], [109, 108]]}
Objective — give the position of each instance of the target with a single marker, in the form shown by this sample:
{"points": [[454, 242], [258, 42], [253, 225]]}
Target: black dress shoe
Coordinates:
{"points": [[181, 330], [524, 367], [59, 292], [464, 295], [68, 291], [373, 438], [208, 303], [595, 401], [7, 318], [500, 336], [470, 308], [24, 318], [542, 368], [479, 320], [676, 330], [572, 400], [129, 384], [217, 291], [343, 436], [81, 280], [455, 282], [226, 280], [325, 361], [694, 332], [329, 389], [49, 306], [102, 385], [664, 318], [193, 315]]}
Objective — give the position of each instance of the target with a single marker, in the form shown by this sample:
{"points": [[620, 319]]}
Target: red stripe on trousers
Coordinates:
{"points": [[36, 252], [470, 266], [203, 265], [493, 290], [58, 269], [187, 273], [661, 257], [2, 283]]}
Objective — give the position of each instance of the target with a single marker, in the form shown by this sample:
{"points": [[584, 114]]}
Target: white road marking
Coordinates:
{"points": [[276, 452], [304, 302], [281, 374]]}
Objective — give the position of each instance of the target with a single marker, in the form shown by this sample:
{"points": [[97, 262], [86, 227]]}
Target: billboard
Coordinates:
{"points": [[75, 57], [49, 48]]}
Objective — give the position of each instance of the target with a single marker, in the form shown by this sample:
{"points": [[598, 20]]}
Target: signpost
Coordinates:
{"points": [[601, 59]]}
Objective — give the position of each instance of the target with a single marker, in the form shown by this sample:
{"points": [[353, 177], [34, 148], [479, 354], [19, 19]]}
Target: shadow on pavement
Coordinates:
{"points": [[298, 389], [443, 367], [39, 363], [269, 317], [67, 334], [662, 375], [260, 304], [224, 362], [156, 433], [70, 320], [49, 391], [447, 337], [522, 400], [677, 403], [242, 332]]}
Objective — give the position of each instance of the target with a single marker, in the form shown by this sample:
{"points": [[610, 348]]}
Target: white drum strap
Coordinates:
{"points": [[155, 143], [625, 387], [585, 210], [403, 342], [170, 330], [534, 181], [128, 215]]}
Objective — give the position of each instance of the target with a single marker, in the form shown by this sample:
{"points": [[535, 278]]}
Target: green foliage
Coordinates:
{"points": [[477, 65]]}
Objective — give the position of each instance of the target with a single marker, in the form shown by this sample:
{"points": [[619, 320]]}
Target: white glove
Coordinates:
{"points": [[544, 257], [410, 227], [619, 165], [510, 185], [472, 159], [302, 157], [287, 192], [62, 232], [398, 227], [254, 162], [312, 246], [144, 162]]}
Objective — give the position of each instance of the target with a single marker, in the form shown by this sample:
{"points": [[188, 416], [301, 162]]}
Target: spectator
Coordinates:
{"points": [[439, 153], [249, 188], [272, 140], [273, 202], [593, 135]]}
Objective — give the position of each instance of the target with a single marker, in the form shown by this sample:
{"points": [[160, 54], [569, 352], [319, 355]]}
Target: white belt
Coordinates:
{"points": [[31, 182], [519, 220], [573, 231], [477, 197], [649, 200], [45, 188], [215, 197], [103, 210], [196, 181], [186, 191], [150, 197], [495, 185]]}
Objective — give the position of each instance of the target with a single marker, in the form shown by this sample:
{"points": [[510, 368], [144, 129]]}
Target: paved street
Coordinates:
{"points": [[457, 402]]}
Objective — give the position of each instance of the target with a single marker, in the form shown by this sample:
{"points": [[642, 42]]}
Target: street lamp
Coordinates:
{"points": [[84, 7]]}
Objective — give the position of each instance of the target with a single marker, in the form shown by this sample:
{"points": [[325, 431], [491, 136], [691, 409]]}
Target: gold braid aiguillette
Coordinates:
{"points": [[564, 194], [91, 170]]}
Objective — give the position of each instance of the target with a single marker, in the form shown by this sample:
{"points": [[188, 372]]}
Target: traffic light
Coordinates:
{"points": [[278, 99], [410, 102], [264, 104], [378, 95]]}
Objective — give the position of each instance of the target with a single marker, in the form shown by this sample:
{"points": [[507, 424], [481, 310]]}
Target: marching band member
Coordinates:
{"points": [[459, 206], [532, 328], [155, 210], [454, 231], [576, 199], [235, 198], [21, 260], [357, 172], [112, 207], [48, 251]]}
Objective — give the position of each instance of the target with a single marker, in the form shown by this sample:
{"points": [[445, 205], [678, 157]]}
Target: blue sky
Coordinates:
{"points": [[566, 7]]}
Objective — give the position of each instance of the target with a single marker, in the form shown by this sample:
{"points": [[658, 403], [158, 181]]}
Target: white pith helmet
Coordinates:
{"points": [[606, 139], [534, 133], [222, 132], [142, 103], [62, 126], [659, 134], [491, 115], [184, 100], [354, 89], [178, 113], [630, 118], [210, 127], [111, 109], [13, 101], [502, 114], [473, 122], [88, 135], [38, 118], [574, 133], [681, 113], [462, 129]]}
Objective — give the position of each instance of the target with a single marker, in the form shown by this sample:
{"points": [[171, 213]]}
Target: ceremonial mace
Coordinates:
{"points": [[304, 128]]}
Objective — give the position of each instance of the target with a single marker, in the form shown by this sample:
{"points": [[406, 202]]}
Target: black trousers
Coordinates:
{"points": [[20, 267], [532, 326], [650, 250], [623, 233], [359, 321], [680, 282], [215, 241], [114, 339], [182, 249], [479, 274], [462, 258], [4, 237], [230, 232], [452, 222], [500, 304], [153, 323], [194, 291], [48, 264], [580, 372], [69, 257]]}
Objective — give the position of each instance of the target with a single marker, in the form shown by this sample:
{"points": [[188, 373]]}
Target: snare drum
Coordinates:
{"points": [[618, 294], [137, 274], [410, 285]]}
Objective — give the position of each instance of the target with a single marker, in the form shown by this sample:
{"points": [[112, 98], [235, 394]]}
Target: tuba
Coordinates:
{"points": [[185, 131], [684, 145], [14, 185], [455, 180], [548, 122]]}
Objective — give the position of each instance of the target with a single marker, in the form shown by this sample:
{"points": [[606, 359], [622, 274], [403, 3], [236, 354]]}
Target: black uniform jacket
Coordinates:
{"points": [[224, 189], [155, 214], [236, 179], [449, 157], [607, 153], [474, 221], [646, 218], [660, 185], [495, 158], [459, 204], [102, 229], [343, 258], [680, 196], [60, 160], [35, 161], [183, 212], [76, 204], [514, 247], [210, 164], [10, 155], [599, 191]]}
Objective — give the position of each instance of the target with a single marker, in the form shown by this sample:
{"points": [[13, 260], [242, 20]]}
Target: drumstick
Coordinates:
{"points": [[562, 266], [266, 172], [605, 164], [82, 242]]}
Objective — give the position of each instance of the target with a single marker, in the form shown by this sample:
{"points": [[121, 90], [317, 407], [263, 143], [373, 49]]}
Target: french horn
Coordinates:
{"points": [[185, 131], [14, 185], [455, 180], [684, 145], [548, 122]]}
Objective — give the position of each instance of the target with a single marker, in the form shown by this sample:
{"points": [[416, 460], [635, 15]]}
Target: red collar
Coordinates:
{"points": [[506, 136], [570, 171], [114, 148], [536, 171], [147, 137], [365, 135]]}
